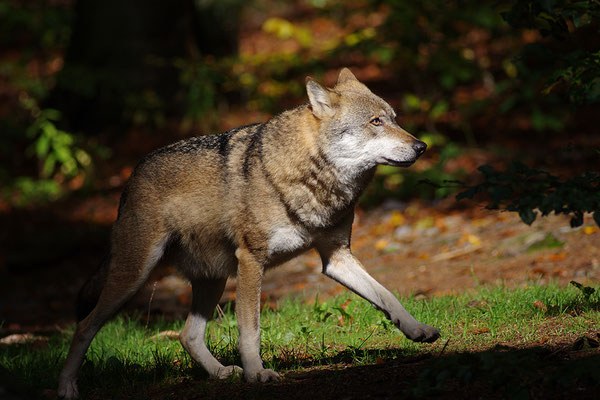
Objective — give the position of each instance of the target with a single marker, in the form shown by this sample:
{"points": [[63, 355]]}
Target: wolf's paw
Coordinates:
{"points": [[67, 389], [226, 372], [423, 333], [263, 375]]}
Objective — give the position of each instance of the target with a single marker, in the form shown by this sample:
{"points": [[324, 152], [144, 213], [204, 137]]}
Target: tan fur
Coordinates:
{"points": [[247, 200]]}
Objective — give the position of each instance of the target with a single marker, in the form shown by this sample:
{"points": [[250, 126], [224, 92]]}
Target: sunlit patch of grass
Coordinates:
{"points": [[124, 360]]}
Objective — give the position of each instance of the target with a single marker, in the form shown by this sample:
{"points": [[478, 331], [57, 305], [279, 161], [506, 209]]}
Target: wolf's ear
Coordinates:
{"points": [[320, 99], [345, 76]]}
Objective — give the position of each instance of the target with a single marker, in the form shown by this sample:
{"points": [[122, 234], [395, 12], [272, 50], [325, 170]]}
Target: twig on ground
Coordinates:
{"points": [[149, 305], [444, 348]]}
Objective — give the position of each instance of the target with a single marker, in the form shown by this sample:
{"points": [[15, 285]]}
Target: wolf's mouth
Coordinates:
{"points": [[394, 163]]}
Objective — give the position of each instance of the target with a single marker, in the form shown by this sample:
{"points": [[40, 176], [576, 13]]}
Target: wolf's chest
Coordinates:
{"points": [[287, 239]]}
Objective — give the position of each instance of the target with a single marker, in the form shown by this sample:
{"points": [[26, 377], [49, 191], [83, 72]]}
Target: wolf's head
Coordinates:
{"points": [[357, 129]]}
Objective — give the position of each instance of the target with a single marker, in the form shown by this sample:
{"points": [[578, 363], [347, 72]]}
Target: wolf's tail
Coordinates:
{"points": [[90, 291]]}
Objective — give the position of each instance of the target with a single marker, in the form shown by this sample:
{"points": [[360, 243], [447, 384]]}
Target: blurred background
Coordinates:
{"points": [[87, 88]]}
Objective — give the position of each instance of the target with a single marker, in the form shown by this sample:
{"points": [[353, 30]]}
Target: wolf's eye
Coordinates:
{"points": [[375, 121]]}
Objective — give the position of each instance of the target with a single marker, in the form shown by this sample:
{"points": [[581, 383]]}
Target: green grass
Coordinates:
{"points": [[124, 362]]}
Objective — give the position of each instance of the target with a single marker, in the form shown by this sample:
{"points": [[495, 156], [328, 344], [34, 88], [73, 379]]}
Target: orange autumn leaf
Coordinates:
{"points": [[557, 257], [343, 306], [397, 218], [540, 305], [381, 244]]}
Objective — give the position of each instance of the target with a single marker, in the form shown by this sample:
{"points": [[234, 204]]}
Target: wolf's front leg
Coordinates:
{"points": [[249, 279], [340, 265]]}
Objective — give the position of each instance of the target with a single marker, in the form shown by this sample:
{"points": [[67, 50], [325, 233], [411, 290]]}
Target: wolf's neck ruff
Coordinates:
{"points": [[314, 192]]}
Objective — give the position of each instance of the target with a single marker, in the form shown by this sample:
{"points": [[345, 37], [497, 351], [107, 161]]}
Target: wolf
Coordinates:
{"points": [[242, 202]]}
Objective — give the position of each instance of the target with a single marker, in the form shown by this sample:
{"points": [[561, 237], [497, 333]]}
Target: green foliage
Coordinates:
{"points": [[53, 147], [527, 191], [25, 190], [49, 25], [548, 242], [56, 153], [586, 291], [563, 20], [39, 35], [199, 82], [432, 42]]}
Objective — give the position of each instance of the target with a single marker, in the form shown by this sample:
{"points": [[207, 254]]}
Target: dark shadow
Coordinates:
{"points": [[500, 373], [44, 259], [538, 372]]}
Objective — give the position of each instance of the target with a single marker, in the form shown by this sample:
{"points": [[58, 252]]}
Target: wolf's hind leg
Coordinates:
{"points": [[129, 268], [206, 295]]}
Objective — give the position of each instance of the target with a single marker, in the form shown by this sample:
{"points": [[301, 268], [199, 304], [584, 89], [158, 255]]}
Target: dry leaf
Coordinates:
{"points": [[343, 306], [480, 331], [540, 305], [20, 338], [166, 334], [557, 257], [381, 244], [397, 218], [473, 239]]}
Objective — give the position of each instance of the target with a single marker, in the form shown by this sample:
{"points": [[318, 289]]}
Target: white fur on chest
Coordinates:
{"points": [[286, 239]]}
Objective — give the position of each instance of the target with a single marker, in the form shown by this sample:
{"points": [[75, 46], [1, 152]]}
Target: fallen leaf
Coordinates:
{"points": [[473, 239], [480, 331], [424, 223], [540, 305], [590, 230], [557, 257], [20, 338], [544, 340], [397, 218], [343, 306], [381, 244], [379, 360], [166, 334]]}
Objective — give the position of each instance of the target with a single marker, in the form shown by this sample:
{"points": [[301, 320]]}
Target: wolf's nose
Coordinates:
{"points": [[419, 147]]}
